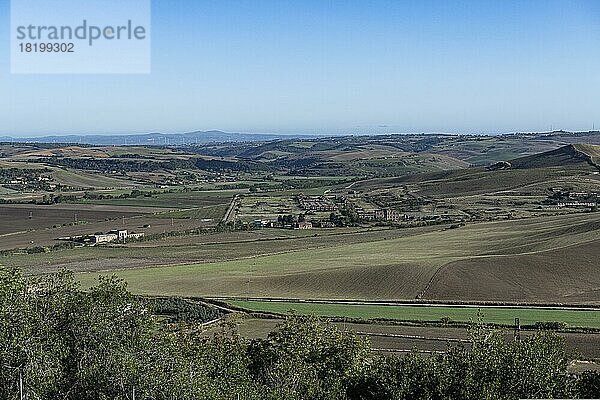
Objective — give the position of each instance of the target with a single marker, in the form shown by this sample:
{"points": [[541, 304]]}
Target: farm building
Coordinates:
{"points": [[262, 223], [104, 238], [305, 225], [112, 236], [380, 215]]}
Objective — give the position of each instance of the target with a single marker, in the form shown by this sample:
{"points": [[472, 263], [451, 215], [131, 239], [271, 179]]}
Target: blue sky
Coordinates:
{"points": [[332, 67]]}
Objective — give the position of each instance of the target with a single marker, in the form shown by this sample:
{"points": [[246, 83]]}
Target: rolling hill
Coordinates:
{"points": [[574, 155], [565, 166], [549, 259], [590, 150], [566, 275]]}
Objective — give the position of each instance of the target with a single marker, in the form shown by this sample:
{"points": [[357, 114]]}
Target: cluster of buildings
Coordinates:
{"points": [[305, 225], [562, 199], [577, 204], [316, 203], [386, 214], [119, 235], [265, 223], [24, 182]]}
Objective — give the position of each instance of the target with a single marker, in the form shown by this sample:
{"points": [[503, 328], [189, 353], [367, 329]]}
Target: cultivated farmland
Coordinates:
{"points": [[25, 217], [385, 268]]}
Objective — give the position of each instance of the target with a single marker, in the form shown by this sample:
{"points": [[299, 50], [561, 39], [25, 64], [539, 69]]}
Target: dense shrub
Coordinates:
{"points": [[106, 344], [178, 309], [588, 385]]}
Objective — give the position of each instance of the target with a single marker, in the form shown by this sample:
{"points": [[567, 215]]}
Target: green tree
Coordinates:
{"points": [[103, 343], [307, 359]]}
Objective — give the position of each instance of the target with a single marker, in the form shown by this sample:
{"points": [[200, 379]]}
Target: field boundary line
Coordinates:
{"points": [[407, 351], [13, 233], [414, 337], [417, 303]]}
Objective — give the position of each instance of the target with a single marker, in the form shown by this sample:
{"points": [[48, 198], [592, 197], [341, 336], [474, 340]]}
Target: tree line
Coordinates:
{"points": [[59, 342]]}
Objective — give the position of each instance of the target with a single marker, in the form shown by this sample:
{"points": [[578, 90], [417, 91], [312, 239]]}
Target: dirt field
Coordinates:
{"points": [[87, 179], [567, 275], [49, 236], [175, 200], [16, 217], [386, 337]]}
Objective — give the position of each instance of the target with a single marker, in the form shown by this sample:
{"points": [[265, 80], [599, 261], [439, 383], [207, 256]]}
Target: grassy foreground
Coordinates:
{"points": [[527, 316]]}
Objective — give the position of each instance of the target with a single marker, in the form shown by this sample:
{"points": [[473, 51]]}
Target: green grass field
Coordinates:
{"points": [[505, 316]]}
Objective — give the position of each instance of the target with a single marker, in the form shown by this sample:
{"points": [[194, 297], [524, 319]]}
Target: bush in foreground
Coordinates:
{"points": [[63, 343]]}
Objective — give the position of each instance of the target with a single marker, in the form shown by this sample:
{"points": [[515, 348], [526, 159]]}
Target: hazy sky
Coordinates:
{"points": [[351, 66]]}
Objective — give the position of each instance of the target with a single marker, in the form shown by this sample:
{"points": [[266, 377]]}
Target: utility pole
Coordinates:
{"points": [[21, 384], [517, 329]]}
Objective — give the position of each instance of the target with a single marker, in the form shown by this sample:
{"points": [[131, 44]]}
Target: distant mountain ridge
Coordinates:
{"points": [[216, 136], [164, 139]]}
